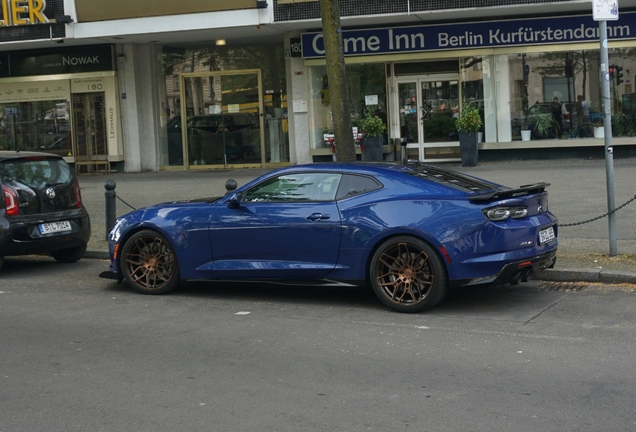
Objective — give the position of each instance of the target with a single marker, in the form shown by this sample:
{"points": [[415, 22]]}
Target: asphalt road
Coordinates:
{"points": [[79, 353]]}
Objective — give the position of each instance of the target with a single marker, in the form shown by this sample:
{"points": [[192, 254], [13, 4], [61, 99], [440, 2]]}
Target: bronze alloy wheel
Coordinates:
{"points": [[407, 275], [149, 263]]}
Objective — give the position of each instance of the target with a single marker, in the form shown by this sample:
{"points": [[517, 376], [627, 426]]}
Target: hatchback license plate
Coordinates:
{"points": [[546, 235], [53, 227]]}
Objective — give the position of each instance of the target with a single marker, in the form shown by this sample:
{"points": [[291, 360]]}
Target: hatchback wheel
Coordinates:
{"points": [[149, 264], [408, 275], [69, 255]]}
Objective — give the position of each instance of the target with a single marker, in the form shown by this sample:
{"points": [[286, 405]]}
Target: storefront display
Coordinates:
{"points": [[62, 102], [536, 83]]}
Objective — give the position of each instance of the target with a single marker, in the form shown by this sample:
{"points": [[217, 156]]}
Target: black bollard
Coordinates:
{"points": [[230, 186], [111, 196]]}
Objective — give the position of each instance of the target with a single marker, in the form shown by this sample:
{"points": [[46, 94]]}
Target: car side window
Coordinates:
{"points": [[300, 187], [352, 185]]}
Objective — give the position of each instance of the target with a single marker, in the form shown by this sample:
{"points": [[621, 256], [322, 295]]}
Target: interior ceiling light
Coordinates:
{"points": [[220, 42]]}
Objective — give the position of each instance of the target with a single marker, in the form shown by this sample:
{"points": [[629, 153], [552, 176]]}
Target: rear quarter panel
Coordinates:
{"points": [[437, 220]]}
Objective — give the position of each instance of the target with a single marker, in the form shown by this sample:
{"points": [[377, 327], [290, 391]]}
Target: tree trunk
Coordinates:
{"points": [[338, 94]]}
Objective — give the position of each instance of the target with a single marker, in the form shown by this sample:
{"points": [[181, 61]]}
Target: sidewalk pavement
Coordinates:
{"points": [[578, 192]]}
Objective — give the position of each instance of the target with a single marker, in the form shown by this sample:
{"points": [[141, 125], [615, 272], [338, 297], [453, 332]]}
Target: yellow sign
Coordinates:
{"points": [[23, 12], [91, 10]]}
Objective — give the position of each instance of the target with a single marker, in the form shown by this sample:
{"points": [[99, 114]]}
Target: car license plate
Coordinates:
{"points": [[546, 235], [53, 227]]}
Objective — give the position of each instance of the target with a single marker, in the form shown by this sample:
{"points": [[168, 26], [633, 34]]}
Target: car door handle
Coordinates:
{"points": [[318, 216]]}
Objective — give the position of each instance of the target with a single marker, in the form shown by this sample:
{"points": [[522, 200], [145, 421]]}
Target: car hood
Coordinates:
{"points": [[188, 201]]}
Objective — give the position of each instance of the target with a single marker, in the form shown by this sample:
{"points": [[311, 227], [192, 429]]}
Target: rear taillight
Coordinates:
{"points": [[503, 213], [78, 195], [10, 201]]}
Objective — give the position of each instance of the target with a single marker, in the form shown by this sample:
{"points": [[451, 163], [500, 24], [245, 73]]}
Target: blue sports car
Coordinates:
{"points": [[410, 231]]}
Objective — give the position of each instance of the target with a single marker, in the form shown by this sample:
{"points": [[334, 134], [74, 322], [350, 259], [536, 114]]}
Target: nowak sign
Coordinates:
{"points": [[472, 35], [23, 12], [91, 58]]}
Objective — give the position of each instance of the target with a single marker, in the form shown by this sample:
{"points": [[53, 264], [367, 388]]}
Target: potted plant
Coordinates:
{"points": [[468, 124], [373, 129], [544, 124], [599, 128]]}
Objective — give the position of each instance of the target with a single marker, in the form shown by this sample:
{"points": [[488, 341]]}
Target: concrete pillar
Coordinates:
{"points": [[138, 89], [297, 98]]}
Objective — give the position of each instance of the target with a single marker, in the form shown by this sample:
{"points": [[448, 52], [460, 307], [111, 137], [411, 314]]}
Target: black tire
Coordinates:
{"points": [[149, 264], [69, 255], [408, 275], [1, 262]]}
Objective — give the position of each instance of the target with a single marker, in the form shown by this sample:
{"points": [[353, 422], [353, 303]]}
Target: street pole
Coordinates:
{"points": [[609, 150]]}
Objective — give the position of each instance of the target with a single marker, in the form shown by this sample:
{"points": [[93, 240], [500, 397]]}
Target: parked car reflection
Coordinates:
{"points": [[215, 139]]}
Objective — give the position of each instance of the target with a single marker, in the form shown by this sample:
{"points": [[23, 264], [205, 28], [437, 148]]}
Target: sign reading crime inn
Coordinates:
{"points": [[472, 35], [23, 12]]}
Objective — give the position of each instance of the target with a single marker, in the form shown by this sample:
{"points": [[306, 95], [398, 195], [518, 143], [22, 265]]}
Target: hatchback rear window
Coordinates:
{"points": [[40, 185], [36, 174]]}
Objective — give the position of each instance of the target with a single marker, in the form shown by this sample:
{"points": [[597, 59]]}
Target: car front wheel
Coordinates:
{"points": [[408, 275], [149, 264]]}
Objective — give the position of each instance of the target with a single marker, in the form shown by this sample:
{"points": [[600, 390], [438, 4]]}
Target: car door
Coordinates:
{"points": [[285, 227]]}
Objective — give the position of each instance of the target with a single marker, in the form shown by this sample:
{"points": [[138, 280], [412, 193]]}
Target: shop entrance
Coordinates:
{"points": [[226, 120], [89, 132], [427, 107]]}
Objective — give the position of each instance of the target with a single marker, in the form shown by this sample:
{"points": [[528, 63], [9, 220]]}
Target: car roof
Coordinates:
{"points": [[393, 171], [8, 154]]}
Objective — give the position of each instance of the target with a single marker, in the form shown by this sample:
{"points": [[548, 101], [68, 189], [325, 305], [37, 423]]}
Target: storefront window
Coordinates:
{"points": [[221, 110], [367, 91], [622, 80], [553, 95], [36, 126], [478, 90]]}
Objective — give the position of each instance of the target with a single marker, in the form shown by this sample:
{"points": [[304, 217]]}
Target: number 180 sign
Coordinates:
{"points": [[605, 10]]}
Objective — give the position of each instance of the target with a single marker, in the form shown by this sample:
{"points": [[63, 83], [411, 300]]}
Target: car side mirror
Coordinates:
{"points": [[234, 201]]}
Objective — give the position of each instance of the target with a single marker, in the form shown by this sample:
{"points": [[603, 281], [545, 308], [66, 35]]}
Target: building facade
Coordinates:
{"points": [[161, 85]]}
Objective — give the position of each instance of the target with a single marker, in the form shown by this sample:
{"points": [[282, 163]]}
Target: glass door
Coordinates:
{"points": [[89, 132], [222, 119], [427, 108]]}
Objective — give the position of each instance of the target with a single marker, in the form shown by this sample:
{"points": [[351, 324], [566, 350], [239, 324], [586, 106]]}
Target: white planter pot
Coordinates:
{"points": [[599, 132], [525, 135]]}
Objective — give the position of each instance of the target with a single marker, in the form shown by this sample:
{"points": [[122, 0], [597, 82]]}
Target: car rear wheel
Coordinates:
{"points": [[149, 264], [69, 255], [408, 275]]}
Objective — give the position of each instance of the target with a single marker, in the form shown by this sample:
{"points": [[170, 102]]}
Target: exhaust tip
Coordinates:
{"points": [[516, 277], [525, 275]]}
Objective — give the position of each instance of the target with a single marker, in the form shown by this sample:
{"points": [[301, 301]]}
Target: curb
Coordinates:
{"points": [[586, 275], [97, 254]]}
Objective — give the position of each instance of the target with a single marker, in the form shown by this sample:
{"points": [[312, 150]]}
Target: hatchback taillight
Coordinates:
{"points": [[10, 201], [78, 196]]}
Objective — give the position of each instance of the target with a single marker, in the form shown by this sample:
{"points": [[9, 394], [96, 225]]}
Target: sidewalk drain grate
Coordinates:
{"points": [[561, 286]]}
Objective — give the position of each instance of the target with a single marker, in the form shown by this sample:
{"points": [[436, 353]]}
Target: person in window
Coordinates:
{"points": [[555, 109], [583, 116]]}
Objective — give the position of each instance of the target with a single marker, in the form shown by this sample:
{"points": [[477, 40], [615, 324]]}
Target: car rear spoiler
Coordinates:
{"points": [[510, 193]]}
